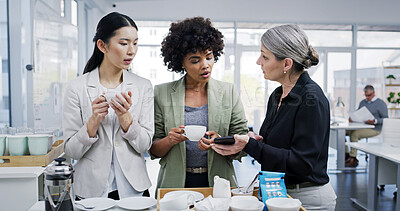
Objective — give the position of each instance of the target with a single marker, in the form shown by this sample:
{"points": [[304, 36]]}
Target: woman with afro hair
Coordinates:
{"points": [[191, 48]]}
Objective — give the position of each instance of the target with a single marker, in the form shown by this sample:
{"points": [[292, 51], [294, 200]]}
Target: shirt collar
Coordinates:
{"points": [[373, 99]]}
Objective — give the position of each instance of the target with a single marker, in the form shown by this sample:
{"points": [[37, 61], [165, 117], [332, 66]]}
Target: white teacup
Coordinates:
{"points": [[194, 132], [180, 202], [112, 95]]}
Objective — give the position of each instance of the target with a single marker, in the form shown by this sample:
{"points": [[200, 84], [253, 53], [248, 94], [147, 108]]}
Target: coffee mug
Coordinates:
{"points": [[194, 132], [2, 145], [176, 202], [17, 145], [112, 95]]}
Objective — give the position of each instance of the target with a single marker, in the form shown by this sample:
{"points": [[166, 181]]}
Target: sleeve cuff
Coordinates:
{"points": [[132, 133], [375, 122], [84, 138], [250, 145]]}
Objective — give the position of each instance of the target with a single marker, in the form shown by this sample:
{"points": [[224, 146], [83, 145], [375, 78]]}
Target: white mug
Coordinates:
{"points": [[194, 132], [180, 202], [112, 95]]}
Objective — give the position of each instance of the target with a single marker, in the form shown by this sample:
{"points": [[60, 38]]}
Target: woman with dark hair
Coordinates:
{"points": [[108, 120], [294, 137], [191, 47]]}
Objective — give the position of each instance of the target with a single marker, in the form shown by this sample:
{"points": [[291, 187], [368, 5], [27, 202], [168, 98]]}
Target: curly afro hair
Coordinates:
{"points": [[189, 36]]}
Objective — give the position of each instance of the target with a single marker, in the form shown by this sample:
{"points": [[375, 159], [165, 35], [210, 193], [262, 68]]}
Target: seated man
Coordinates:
{"points": [[379, 110]]}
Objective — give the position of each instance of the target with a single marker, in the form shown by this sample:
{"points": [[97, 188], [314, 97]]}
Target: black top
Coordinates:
{"points": [[296, 137]]}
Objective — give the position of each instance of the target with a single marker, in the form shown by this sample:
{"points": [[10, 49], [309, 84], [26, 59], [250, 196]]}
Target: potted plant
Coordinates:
{"points": [[391, 99], [390, 77]]}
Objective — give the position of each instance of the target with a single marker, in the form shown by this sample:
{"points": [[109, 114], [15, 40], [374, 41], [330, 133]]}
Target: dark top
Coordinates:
{"points": [[296, 137]]}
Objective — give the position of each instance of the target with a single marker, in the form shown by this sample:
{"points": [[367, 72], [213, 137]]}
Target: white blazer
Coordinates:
{"points": [[95, 154]]}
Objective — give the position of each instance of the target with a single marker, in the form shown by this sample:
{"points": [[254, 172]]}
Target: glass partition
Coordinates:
{"points": [[4, 66]]}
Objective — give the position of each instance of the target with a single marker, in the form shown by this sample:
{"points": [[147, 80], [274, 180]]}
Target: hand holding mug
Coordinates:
{"points": [[175, 135], [99, 109]]}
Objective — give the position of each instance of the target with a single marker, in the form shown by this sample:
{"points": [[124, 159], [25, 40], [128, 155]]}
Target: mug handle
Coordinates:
{"points": [[184, 133], [190, 199]]}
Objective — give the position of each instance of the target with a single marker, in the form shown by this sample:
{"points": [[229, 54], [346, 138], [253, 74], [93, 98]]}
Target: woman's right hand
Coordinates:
{"points": [[99, 112], [175, 135]]}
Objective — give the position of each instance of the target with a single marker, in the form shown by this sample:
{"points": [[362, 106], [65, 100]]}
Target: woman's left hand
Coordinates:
{"points": [[240, 143], [122, 111], [205, 144]]}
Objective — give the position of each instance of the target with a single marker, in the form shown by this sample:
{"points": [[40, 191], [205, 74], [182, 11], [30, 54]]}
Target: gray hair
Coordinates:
{"points": [[369, 88], [290, 41]]}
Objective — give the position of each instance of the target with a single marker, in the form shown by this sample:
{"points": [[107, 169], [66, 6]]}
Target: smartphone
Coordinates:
{"points": [[225, 140]]}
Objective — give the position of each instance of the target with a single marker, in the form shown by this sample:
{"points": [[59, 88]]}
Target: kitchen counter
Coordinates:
{"points": [[19, 187]]}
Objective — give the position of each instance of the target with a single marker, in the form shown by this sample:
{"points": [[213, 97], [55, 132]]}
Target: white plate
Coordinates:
{"points": [[197, 195], [137, 203], [98, 203]]}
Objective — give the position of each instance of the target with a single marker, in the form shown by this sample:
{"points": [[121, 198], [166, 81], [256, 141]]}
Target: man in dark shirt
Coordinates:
{"points": [[379, 110]]}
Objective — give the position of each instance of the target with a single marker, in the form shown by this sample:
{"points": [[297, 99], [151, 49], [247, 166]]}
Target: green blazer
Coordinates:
{"points": [[225, 116]]}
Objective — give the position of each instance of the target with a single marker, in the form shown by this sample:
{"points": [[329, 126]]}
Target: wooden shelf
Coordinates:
{"points": [[392, 84], [392, 67], [394, 108]]}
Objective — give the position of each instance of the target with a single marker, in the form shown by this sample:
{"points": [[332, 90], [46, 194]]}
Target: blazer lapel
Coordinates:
{"points": [[128, 84], [178, 105], [93, 91], [214, 98]]}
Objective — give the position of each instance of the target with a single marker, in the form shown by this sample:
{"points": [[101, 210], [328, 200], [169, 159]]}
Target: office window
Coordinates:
{"points": [[378, 36], [339, 66], [373, 65], [74, 13], [56, 62], [4, 71]]}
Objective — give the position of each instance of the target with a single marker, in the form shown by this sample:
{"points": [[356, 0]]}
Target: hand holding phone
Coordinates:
{"points": [[229, 140]]}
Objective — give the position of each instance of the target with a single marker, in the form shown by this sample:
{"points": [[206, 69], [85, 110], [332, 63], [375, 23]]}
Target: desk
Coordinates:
{"points": [[337, 139], [377, 152], [19, 187]]}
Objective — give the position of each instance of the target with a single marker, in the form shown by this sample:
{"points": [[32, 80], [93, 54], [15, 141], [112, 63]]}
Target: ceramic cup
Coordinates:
{"points": [[39, 143], [17, 145], [246, 203], [194, 132], [112, 95], [180, 202], [283, 204], [237, 192], [2, 145]]}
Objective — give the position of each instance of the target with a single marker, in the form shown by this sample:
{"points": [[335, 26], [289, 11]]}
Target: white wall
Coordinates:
{"points": [[298, 11]]}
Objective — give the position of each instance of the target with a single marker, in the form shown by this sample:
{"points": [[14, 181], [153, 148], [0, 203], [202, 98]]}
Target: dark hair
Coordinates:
{"points": [[369, 88], [105, 30], [189, 36]]}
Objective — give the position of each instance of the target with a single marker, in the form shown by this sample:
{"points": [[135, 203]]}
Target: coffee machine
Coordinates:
{"points": [[58, 191]]}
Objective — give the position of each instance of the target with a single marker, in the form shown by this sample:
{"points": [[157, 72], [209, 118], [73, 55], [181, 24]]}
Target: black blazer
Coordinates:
{"points": [[295, 137]]}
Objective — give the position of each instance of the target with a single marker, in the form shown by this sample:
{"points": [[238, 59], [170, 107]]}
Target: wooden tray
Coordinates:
{"points": [[205, 191], [31, 160]]}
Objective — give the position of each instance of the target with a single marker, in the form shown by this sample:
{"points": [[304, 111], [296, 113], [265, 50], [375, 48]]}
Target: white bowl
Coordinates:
{"points": [[246, 203], [283, 204], [236, 192], [216, 204]]}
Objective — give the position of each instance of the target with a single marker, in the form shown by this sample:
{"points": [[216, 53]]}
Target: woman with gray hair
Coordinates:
{"points": [[294, 136]]}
